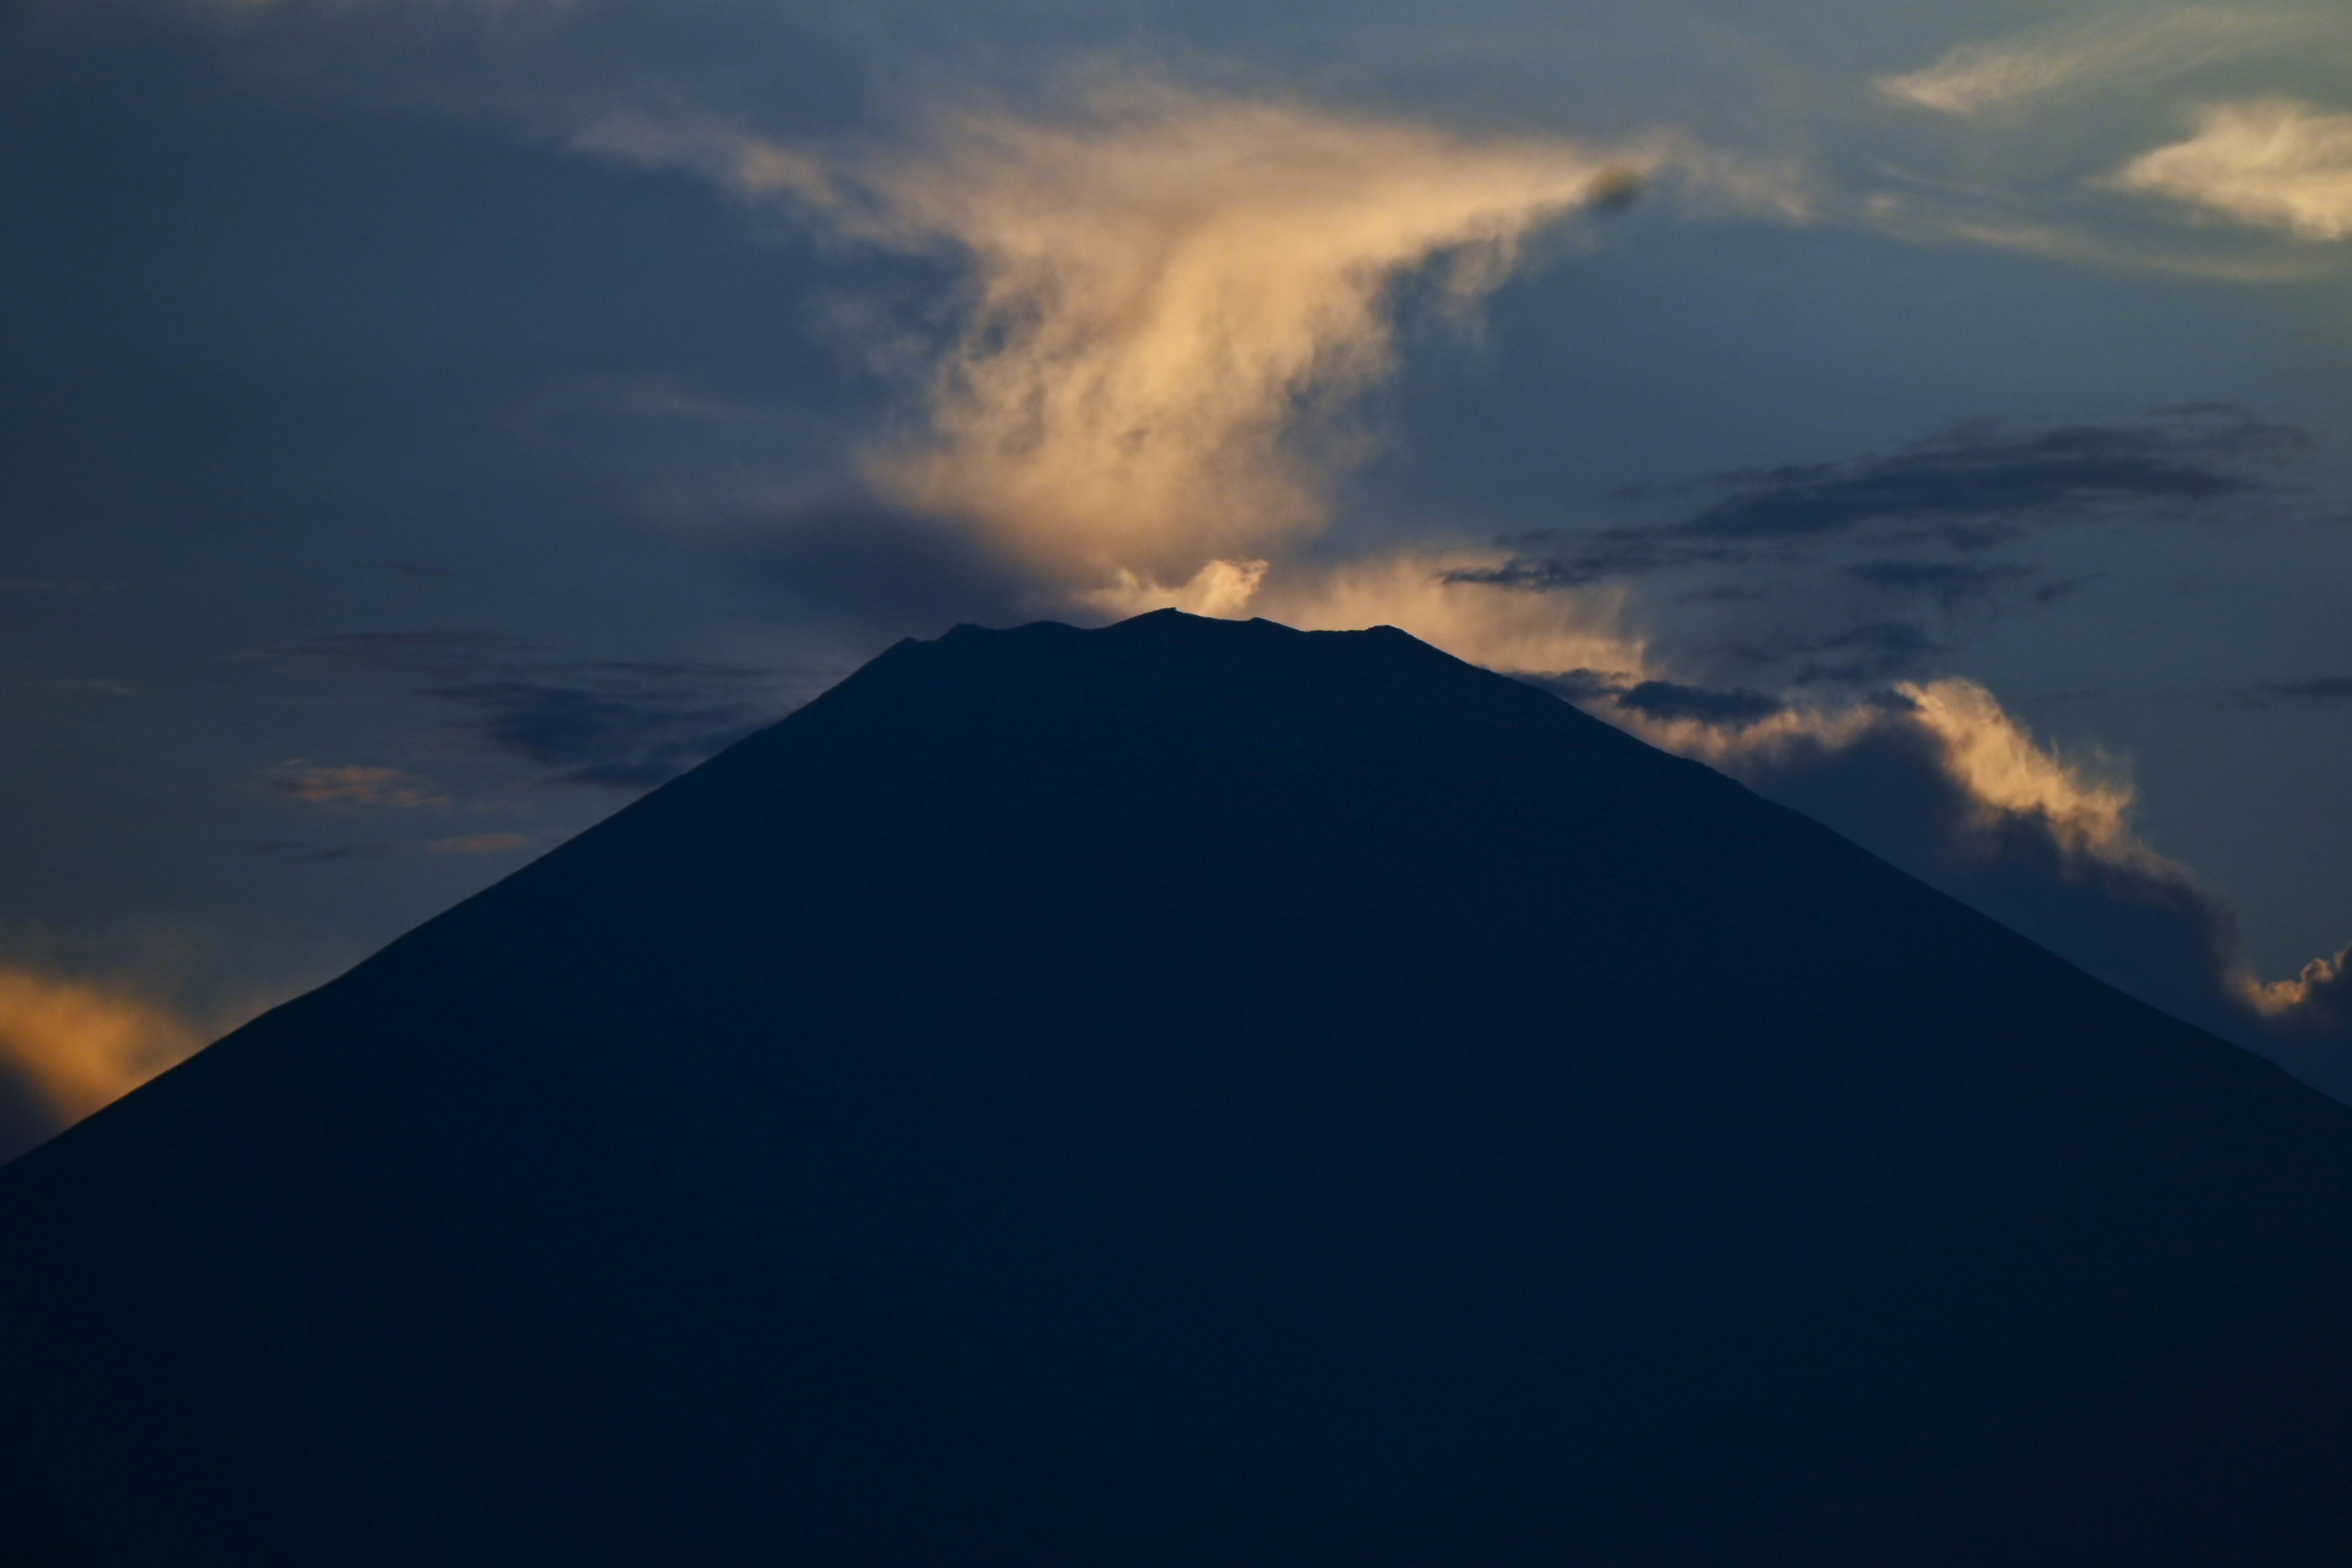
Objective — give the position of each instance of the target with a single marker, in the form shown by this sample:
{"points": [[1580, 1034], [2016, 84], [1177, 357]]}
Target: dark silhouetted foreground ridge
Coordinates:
{"points": [[1188, 1094]]}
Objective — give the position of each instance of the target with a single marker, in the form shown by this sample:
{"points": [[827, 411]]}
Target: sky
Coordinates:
{"points": [[430, 424]]}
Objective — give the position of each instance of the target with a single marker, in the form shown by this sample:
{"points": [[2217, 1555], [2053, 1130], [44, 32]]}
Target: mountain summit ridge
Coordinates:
{"points": [[1192, 1091]]}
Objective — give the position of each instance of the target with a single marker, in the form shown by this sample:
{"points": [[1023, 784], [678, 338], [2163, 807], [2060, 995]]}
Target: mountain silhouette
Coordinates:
{"points": [[1190, 1094]]}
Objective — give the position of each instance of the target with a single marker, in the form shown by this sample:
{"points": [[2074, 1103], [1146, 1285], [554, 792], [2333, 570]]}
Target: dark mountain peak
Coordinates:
{"points": [[1191, 1091]]}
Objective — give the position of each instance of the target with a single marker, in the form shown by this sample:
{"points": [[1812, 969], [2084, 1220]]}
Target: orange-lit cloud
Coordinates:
{"points": [[2317, 1002], [82, 1045], [2003, 769], [352, 784], [1992, 811], [1423, 594], [2272, 163], [1173, 296], [1500, 627]]}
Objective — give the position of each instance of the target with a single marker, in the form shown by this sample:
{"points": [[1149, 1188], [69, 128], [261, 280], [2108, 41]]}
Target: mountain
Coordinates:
{"points": [[1190, 1094]]}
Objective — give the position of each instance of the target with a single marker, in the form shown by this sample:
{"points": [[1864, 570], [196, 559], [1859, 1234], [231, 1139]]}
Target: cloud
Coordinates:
{"points": [[1172, 298], [2317, 1002], [2270, 162], [1877, 568], [1976, 77], [1970, 482], [476, 844], [1434, 597], [622, 729], [2323, 689], [68, 1046], [1827, 543], [1937, 777], [352, 784], [617, 723], [1598, 557]]}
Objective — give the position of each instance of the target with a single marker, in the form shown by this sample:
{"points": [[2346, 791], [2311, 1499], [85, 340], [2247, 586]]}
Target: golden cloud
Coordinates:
{"points": [[2273, 161], [1172, 296], [83, 1044]]}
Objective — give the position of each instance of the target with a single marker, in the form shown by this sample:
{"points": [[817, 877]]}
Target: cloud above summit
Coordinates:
{"points": [[1171, 298]]}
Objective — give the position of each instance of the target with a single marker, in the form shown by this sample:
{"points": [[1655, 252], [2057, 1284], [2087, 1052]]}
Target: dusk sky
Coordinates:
{"points": [[430, 424]]}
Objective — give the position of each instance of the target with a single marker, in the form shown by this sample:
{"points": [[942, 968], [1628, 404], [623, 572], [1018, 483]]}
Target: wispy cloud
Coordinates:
{"points": [[2319, 688], [624, 728], [1982, 476], [1869, 569], [352, 784], [1984, 74], [618, 723], [2273, 163], [476, 844]]}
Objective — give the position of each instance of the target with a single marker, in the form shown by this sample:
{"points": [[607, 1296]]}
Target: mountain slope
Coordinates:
{"points": [[1190, 1092]]}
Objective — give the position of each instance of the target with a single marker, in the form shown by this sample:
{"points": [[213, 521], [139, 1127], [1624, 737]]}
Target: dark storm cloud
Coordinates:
{"points": [[619, 723], [1665, 700], [1966, 485], [1969, 489], [2325, 688], [2311, 691], [624, 727], [1577, 561]]}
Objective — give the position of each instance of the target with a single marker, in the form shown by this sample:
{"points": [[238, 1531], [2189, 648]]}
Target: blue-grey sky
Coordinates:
{"points": [[430, 422]]}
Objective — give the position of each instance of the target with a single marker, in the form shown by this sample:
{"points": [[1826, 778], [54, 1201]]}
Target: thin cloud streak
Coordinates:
{"points": [[352, 784], [1976, 77]]}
